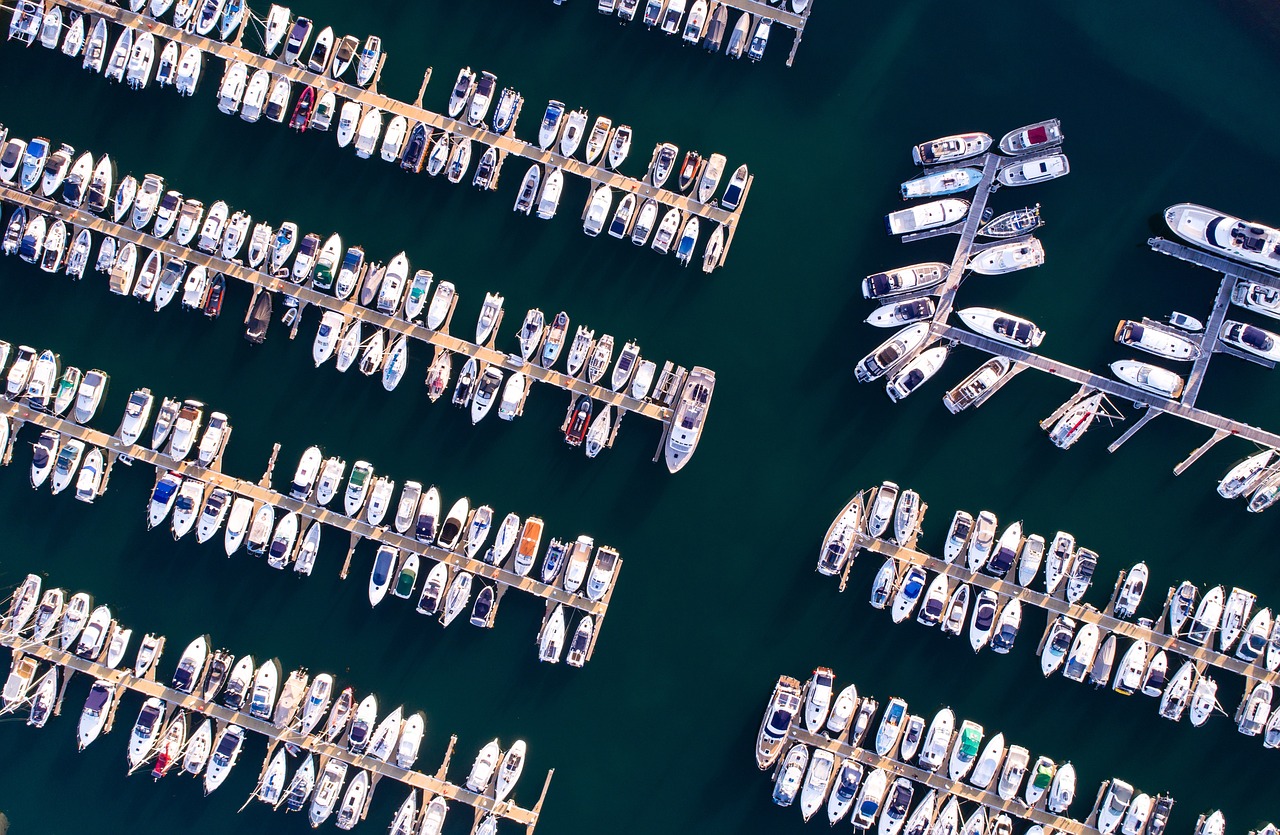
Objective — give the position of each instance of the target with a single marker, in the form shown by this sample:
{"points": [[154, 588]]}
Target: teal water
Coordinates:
{"points": [[1160, 104]]}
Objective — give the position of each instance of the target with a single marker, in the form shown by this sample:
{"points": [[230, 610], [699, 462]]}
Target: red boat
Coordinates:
{"points": [[213, 298], [304, 109], [579, 422]]}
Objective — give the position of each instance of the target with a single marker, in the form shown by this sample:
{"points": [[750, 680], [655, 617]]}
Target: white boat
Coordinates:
{"points": [[89, 482], [791, 775], [1008, 257], [385, 563], [551, 638], [817, 782], [1149, 377], [1161, 340], [237, 523], [1076, 421], [1246, 475], [549, 195], [909, 593], [1248, 241], [950, 148], [916, 372], [1131, 591], [1056, 645], [1035, 171], [598, 210], [1001, 326], [937, 741], [1250, 339], [926, 216]]}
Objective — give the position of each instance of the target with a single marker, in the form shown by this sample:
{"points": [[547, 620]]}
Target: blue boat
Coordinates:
{"points": [[951, 181]]}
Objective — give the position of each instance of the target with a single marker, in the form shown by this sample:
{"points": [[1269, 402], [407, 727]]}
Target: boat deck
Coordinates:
{"points": [[505, 143], [1054, 606], [148, 688], [649, 408], [261, 493]]}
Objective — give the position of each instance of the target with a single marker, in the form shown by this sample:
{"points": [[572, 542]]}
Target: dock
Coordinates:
{"points": [[780, 15], [506, 144], [441, 339], [1183, 407], [148, 688], [357, 528], [1054, 606], [1109, 385], [938, 780]]}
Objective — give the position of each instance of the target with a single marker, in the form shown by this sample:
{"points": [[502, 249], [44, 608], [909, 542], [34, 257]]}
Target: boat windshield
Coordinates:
{"points": [[1256, 338], [98, 698]]}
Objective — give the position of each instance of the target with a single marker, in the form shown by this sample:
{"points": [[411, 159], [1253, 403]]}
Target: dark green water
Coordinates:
{"points": [[1160, 103]]}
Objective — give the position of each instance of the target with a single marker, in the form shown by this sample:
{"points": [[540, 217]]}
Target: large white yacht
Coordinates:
{"points": [[690, 417], [1253, 243]]}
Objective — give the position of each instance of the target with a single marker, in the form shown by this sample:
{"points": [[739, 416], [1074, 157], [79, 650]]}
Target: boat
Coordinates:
{"points": [[790, 775], [1056, 644], [369, 60], [549, 130], [906, 521], [555, 337], [686, 241], [1003, 327], [940, 183], [549, 196], [1148, 377], [620, 146], [1115, 802], [187, 76], [965, 751], [1253, 644], [951, 148], [1250, 339], [1008, 257], [937, 740], [1081, 574], [1247, 241], [598, 210], [1204, 700], [385, 563], [1013, 772], [817, 782], [1040, 781], [929, 215], [459, 160], [397, 359], [760, 39], [909, 592], [1131, 591], [916, 372], [1076, 421], [1063, 790], [1247, 475], [551, 637], [1084, 649], [904, 280], [1032, 137], [1035, 170], [486, 389]]}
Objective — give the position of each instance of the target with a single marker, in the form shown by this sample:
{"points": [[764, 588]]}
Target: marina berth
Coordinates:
{"points": [[660, 405], [303, 63], [206, 729], [905, 280], [1081, 641], [284, 527]]}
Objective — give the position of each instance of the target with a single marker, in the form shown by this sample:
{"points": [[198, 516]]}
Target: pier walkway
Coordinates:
{"points": [[1109, 386], [347, 309], [357, 528], [938, 780], [1057, 606], [991, 164], [505, 143], [148, 688]]}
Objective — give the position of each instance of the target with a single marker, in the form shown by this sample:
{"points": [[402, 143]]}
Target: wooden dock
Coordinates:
{"points": [[1109, 385], [348, 309], [433, 785], [781, 15], [938, 780], [506, 144], [991, 164], [20, 414], [1054, 606]]}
